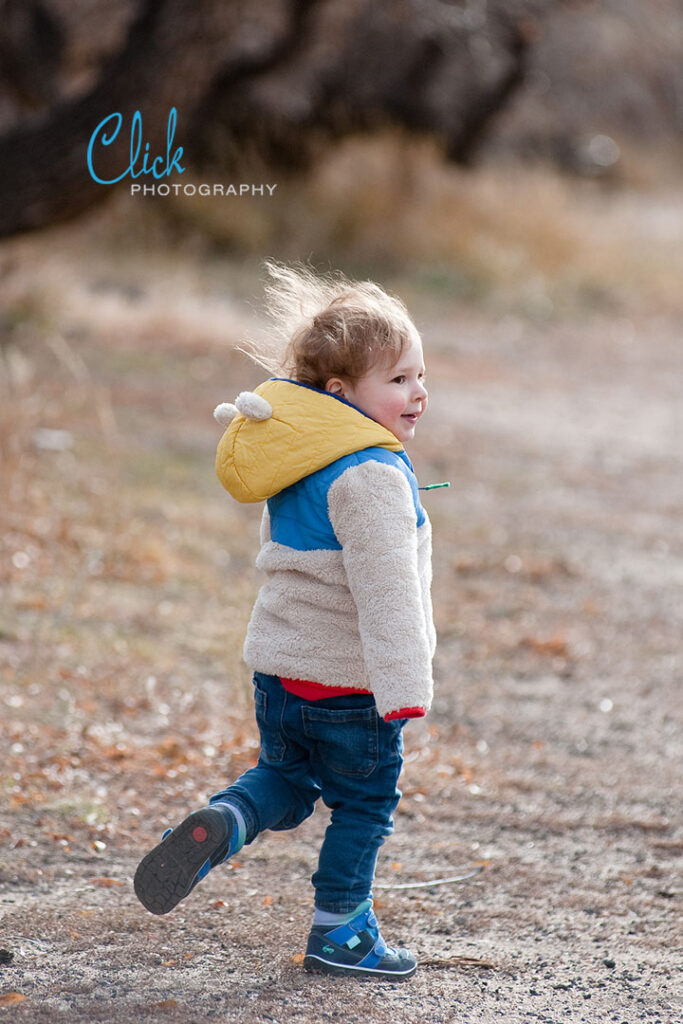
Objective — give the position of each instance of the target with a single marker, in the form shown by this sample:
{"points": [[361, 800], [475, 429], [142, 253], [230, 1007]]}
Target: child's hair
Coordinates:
{"points": [[328, 326]]}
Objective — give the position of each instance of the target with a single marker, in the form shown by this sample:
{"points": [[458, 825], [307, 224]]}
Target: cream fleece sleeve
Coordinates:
{"points": [[372, 512]]}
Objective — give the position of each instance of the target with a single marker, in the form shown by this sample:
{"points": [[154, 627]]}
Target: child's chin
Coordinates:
{"points": [[406, 432]]}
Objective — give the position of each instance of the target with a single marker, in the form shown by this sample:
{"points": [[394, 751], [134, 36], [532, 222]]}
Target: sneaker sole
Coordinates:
{"points": [[166, 875], [318, 966]]}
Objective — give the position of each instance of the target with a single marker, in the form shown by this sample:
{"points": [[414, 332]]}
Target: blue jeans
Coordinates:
{"points": [[341, 750]]}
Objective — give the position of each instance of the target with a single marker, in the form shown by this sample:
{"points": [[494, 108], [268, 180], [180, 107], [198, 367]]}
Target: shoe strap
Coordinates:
{"points": [[375, 955], [348, 934]]}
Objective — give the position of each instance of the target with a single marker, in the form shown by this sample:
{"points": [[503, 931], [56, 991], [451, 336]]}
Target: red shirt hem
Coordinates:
{"points": [[317, 691]]}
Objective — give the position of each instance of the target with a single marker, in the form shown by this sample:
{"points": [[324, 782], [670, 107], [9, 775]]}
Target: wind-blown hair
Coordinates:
{"points": [[328, 326]]}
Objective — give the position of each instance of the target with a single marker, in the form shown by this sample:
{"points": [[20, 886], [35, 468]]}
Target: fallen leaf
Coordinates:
{"points": [[167, 1004], [220, 903], [105, 883], [267, 901], [170, 748], [31, 604], [168, 963], [555, 646], [298, 958], [115, 753], [10, 998]]}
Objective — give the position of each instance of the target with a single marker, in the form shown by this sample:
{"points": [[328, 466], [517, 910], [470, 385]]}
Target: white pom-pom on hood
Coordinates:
{"points": [[225, 413], [253, 406], [249, 404]]}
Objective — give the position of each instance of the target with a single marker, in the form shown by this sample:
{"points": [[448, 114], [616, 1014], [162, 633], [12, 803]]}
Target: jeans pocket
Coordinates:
{"points": [[273, 746], [346, 739]]}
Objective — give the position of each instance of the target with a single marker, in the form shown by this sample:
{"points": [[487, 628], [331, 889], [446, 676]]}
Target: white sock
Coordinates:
{"points": [[238, 837], [326, 917]]}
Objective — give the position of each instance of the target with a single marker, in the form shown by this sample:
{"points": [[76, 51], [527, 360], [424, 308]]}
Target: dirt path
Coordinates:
{"points": [[549, 763]]}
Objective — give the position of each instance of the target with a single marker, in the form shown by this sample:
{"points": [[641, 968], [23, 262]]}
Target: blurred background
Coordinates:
{"points": [[513, 171]]}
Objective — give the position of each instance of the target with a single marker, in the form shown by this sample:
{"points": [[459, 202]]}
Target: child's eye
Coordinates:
{"points": [[399, 380]]}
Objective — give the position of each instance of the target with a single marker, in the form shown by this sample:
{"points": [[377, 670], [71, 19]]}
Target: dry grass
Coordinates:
{"points": [[510, 238], [126, 585], [523, 238]]}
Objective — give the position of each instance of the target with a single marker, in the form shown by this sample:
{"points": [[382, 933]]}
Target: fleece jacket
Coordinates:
{"points": [[346, 546]]}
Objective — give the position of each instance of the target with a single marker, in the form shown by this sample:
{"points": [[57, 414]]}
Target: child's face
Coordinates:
{"points": [[394, 395]]}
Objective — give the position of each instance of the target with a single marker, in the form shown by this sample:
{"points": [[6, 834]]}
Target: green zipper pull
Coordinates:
{"points": [[431, 487]]}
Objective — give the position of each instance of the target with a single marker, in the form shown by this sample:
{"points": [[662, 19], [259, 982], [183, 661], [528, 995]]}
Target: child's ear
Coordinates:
{"points": [[335, 386]]}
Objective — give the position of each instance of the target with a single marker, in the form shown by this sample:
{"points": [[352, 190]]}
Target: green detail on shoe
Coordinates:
{"points": [[328, 949], [353, 942]]}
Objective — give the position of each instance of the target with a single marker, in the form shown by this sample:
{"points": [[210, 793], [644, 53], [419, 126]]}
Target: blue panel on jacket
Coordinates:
{"points": [[299, 517]]}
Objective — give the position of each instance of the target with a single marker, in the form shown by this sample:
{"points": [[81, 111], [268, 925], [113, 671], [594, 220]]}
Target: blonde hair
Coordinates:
{"points": [[328, 326]]}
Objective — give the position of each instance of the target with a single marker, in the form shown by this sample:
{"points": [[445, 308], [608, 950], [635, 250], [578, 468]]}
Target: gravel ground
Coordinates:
{"points": [[549, 769]]}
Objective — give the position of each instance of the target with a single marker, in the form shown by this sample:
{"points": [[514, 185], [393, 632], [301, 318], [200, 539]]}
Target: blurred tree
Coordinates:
{"points": [[604, 73], [272, 80], [31, 47]]}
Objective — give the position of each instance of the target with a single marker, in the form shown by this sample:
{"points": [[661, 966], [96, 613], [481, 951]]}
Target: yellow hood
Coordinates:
{"points": [[307, 430]]}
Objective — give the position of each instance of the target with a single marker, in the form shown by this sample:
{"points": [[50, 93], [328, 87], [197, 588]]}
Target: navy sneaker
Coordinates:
{"points": [[183, 857], [356, 948]]}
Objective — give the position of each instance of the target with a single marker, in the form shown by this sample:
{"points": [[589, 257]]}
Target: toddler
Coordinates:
{"points": [[341, 637]]}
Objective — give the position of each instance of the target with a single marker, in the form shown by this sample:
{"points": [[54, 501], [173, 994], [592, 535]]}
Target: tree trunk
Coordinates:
{"points": [[170, 57], [278, 78]]}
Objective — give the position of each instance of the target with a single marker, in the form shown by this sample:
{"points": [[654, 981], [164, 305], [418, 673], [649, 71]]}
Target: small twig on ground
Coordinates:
{"points": [[456, 961], [434, 881], [69, 358], [78, 368]]}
